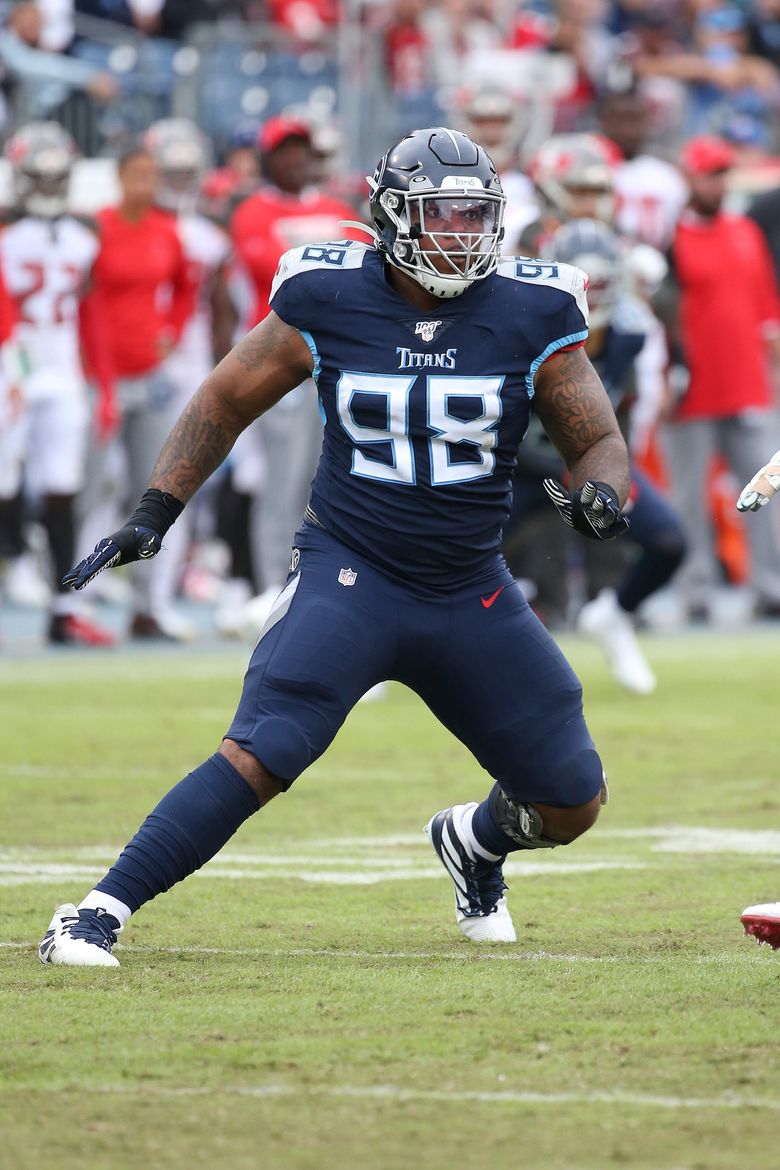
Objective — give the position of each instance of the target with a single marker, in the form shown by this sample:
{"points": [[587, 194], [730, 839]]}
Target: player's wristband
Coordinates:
{"points": [[157, 511]]}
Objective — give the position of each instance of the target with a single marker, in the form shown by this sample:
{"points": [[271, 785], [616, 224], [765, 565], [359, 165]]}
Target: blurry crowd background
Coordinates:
{"points": [[204, 137]]}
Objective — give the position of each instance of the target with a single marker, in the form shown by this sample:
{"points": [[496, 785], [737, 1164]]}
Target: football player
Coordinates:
{"points": [[619, 328], [427, 348], [182, 155], [48, 256], [287, 210]]}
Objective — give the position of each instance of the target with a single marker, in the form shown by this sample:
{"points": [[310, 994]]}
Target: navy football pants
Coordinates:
{"points": [[478, 657]]}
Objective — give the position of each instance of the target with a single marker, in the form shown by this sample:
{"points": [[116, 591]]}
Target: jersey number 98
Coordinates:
{"points": [[478, 434]]}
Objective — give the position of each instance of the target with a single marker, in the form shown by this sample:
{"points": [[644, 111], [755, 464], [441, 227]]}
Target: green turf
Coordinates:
{"points": [[266, 1017]]}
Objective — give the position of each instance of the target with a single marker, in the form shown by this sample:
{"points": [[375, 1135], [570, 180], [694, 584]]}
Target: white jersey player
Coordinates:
{"points": [[182, 156], [650, 196], [650, 193], [47, 258]]}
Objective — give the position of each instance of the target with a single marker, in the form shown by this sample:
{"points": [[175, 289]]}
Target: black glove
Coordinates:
{"points": [[592, 510], [139, 539]]}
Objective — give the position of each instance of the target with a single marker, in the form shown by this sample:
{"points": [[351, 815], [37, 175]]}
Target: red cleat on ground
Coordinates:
{"points": [[763, 922], [70, 630]]}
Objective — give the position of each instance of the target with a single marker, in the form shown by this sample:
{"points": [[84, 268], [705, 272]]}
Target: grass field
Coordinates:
{"points": [[306, 1001]]}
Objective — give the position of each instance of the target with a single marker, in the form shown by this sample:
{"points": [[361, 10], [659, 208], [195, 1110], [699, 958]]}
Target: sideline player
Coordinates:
{"points": [[618, 328], [181, 153], [48, 257], [762, 921], [287, 210], [425, 378]]}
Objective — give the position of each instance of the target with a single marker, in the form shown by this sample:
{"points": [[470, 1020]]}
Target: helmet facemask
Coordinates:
{"points": [[446, 238]]}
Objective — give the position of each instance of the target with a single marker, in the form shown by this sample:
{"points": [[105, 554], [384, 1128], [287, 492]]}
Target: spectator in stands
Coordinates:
{"points": [[143, 274], [46, 78], [728, 309], [577, 31], [306, 20], [407, 47], [764, 29], [159, 18], [717, 69], [57, 29], [453, 30]]}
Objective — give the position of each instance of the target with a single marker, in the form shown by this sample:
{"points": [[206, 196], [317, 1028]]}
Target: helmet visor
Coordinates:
{"points": [[456, 234]]}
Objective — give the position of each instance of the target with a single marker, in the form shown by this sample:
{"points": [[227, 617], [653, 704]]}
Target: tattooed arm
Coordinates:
{"points": [[575, 411], [268, 363], [262, 368]]}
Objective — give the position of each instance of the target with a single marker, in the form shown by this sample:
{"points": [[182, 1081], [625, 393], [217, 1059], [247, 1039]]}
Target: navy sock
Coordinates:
{"points": [[488, 833], [189, 825]]}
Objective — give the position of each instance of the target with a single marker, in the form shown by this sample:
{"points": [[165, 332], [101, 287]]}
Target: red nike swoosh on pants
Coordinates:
{"points": [[488, 601]]}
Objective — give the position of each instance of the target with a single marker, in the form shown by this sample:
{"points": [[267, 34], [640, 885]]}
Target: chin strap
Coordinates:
{"points": [[361, 227]]}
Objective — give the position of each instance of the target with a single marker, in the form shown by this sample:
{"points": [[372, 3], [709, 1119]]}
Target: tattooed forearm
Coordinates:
{"points": [[197, 445], [577, 415]]}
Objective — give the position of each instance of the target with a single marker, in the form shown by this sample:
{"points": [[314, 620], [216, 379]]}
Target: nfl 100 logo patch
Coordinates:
{"points": [[427, 329], [347, 577]]}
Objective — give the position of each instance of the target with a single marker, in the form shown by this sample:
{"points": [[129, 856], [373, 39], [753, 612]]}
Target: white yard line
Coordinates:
{"points": [[345, 871], [467, 953], [355, 861], [442, 1096]]}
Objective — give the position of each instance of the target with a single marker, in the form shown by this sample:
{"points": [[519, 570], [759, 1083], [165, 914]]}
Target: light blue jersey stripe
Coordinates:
{"points": [[561, 343], [307, 337]]}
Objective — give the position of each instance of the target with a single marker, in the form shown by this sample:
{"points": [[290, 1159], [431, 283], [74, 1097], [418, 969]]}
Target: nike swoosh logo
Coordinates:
{"points": [[488, 601]]}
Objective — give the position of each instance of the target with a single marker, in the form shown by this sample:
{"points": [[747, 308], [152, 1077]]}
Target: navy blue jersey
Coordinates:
{"points": [[423, 411]]}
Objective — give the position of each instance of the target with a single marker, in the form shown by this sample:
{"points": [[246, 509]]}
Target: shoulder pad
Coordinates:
{"points": [[548, 274], [332, 256]]}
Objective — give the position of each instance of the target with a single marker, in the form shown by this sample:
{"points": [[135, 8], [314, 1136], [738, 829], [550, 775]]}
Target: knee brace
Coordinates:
{"points": [[522, 823]]}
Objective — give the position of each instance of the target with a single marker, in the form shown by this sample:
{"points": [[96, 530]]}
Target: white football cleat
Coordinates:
{"points": [[612, 628], [24, 584], [80, 938], [233, 596], [763, 922], [174, 625], [480, 906]]}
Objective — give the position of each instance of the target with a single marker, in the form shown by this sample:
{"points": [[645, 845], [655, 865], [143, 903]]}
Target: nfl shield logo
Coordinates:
{"points": [[347, 577]]}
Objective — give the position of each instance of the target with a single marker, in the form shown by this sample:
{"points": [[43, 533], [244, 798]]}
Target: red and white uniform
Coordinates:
{"points": [[11, 445], [283, 446], [46, 267], [270, 222], [207, 250], [650, 195]]}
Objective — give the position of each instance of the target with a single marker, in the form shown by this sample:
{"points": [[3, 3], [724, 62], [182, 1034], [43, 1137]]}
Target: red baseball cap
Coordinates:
{"points": [[277, 130], [706, 155]]}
